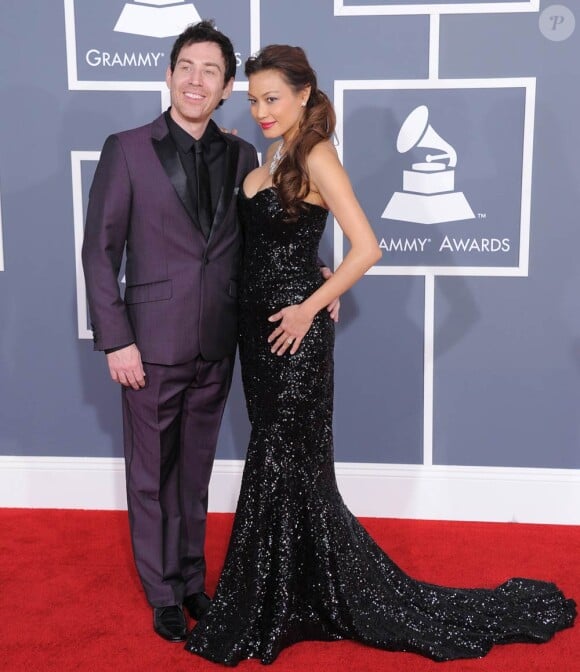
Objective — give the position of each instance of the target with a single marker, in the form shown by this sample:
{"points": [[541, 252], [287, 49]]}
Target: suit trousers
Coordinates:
{"points": [[170, 430]]}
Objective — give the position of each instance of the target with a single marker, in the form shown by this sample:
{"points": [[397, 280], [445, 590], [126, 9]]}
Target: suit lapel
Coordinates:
{"points": [[169, 157], [227, 190]]}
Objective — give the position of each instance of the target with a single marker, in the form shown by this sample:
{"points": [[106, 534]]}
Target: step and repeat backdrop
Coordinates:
{"points": [[457, 356]]}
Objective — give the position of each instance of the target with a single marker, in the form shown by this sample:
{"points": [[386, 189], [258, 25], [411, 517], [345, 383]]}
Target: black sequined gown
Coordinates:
{"points": [[299, 565]]}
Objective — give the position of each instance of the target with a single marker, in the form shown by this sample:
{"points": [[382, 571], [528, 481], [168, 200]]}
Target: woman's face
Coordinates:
{"points": [[275, 105]]}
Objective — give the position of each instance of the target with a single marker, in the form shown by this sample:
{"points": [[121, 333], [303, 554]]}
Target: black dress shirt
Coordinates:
{"points": [[214, 154]]}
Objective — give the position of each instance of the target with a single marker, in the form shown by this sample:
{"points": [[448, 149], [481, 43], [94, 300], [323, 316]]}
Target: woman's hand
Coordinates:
{"points": [[295, 321]]}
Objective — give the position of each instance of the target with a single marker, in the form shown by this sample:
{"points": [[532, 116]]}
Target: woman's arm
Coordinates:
{"points": [[329, 179]]}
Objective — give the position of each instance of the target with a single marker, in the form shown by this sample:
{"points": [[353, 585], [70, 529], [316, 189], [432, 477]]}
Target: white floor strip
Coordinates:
{"points": [[397, 491]]}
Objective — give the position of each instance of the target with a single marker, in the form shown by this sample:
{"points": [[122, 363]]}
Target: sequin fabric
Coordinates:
{"points": [[299, 565]]}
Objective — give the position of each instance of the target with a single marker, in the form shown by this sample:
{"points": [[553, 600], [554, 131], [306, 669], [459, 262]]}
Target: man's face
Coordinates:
{"points": [[197, 83]]}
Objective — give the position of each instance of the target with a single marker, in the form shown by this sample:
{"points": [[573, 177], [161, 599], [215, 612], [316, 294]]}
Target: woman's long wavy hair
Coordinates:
{"points": [[317, 124]]}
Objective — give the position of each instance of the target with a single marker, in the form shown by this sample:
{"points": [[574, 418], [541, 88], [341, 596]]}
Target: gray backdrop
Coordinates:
{"points": [[482, 342]]}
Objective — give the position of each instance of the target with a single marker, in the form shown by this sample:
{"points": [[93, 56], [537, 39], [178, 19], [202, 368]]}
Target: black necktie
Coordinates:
{"points": [[204, 211]]}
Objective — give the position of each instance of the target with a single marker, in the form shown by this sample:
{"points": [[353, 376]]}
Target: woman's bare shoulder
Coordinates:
{"points": [[321, 156], [325, 148], [321, 159]]}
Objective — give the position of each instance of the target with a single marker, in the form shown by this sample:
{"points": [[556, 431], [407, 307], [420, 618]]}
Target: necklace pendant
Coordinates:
{"points": [[276, 159]]}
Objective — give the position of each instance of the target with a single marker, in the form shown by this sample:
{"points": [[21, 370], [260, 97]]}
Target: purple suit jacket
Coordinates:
{"points": [[180, 298]]}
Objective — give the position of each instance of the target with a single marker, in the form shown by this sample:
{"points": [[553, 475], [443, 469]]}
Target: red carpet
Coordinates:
{"points": [[70, 598]]}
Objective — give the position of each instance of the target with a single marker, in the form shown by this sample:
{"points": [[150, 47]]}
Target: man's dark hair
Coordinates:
{"points": [[205, 31]]}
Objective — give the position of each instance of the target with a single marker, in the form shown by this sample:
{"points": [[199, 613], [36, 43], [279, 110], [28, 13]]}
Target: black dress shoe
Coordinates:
{"points": [[197, 605], [169, 623]]}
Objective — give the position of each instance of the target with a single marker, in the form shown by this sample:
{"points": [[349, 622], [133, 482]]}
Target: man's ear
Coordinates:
{"points": [[228, 89]]}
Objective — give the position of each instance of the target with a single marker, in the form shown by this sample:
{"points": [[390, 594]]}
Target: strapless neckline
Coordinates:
{"points": [[274, 189]]}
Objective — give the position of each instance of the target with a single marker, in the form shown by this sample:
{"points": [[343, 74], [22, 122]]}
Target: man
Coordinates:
{"points": [[165, 192]]}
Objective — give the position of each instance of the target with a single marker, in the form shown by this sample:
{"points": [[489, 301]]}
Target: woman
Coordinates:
{"points": [[299, 566]]}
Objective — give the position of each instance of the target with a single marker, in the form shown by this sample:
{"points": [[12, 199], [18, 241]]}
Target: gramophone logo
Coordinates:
{"points": [[156, 18], [428, 195]]}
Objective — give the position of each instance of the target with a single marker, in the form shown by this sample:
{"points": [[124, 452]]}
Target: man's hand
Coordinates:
{"points": [[334, 306], [126, 367]]}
